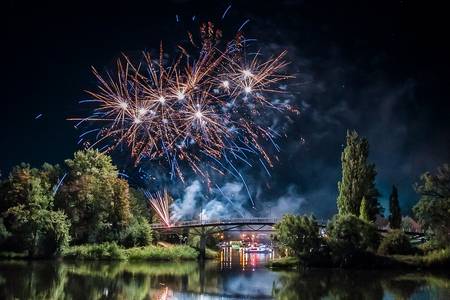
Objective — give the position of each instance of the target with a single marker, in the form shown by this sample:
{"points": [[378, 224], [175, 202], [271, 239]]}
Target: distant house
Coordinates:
{"points": [[409, 224]]}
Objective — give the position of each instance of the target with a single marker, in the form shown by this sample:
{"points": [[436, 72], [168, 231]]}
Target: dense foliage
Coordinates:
{"points": [[299, 234], [349, 235], [433, 208], [352, 238], [395, 242], [112, 251], [104, 251], [41, 214], [358, 179], [30, 220], [364, 210], [95, 199]]}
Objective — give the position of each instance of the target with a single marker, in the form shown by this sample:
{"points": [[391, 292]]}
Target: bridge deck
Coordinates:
{"points": [[218, 222], [239, 222]]}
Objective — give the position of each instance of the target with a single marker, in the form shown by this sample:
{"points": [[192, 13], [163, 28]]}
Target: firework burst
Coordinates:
{"points": [[202, 110], [160, 203]]}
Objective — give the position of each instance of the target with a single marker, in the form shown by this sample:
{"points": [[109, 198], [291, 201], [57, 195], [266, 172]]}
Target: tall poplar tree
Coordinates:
{"points": [[358, 179], [395, 217]]}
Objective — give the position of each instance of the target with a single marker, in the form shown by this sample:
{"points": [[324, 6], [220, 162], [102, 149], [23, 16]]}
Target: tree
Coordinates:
{"points": [[94, 198], [121, 203], [4, 233], [27, 206], [433, 208], [358, 179], [349, 234], [364, 212], [137, 233], [300, 234], [23, 186], [396, 242], [139, 205], [395, 217], [39, 231], [91, 162]]}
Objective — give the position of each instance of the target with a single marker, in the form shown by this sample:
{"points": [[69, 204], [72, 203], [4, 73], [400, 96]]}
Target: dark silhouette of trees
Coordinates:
{"points": [[433, 208], [395, 217]]}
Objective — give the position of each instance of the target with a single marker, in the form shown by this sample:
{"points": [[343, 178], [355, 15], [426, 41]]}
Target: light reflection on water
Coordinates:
{"points": [[230, 258], [236, 275]]}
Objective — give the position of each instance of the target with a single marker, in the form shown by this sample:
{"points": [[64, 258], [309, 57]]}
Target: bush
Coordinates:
{"points": [[396, 242], [353, 233], [429, 246], [111, 251], [349, 237], [437, 259], [284, 263], [300, 234], [137, 234], [40, 232], [4, 233], [105, 251], [162, 253], [211, 254]]}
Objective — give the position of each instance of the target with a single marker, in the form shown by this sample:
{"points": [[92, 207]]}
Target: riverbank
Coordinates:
{"points": [[438, 259], [111, 251]]}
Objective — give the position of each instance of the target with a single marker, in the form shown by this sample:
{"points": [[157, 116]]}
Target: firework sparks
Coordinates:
{"points": [[199, 111], [160, 203]]}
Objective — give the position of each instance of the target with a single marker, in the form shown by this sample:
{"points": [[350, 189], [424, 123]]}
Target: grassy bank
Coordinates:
{"points": [[13, 255], [284, 263], [212, 254], [110, 251], [160, 253], [438, 259]]}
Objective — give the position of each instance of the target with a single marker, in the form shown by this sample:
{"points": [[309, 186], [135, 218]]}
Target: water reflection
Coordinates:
{"points": [[235, 276], [230, 258]]}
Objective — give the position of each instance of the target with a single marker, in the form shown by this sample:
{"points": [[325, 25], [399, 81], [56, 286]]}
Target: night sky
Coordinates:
{"points": [[380, 67]]}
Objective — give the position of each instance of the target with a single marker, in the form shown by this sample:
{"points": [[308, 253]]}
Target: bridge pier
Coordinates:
{"points": [[202, 245]]}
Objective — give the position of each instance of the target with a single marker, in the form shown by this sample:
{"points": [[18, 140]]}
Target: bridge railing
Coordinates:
{"points": [[216, 222]]}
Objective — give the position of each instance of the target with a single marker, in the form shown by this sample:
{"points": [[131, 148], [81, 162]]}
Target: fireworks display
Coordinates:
{"points": [[200, 111], [160, 203]]}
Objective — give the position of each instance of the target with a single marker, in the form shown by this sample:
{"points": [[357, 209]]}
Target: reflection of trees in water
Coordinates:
{"points": [[353, 284], [141, 280], [404, 286], [30, 280]]}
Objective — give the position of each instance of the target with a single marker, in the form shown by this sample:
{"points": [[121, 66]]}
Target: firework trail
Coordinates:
{"points": [[58, 184], [160, 203], [200, 112]]}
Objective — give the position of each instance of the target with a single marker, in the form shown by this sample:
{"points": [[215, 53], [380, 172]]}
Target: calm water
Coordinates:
{"points": [[235, 276]]}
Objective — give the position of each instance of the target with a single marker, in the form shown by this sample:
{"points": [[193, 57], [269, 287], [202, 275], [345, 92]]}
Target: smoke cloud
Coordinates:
{"points": [[230, 201]]}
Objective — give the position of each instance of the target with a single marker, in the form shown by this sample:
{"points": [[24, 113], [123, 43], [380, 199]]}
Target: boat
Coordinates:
{"points": [[258, 249]]}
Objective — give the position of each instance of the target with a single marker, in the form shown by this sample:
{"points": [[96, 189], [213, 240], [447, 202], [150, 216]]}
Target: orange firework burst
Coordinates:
{"points": [[202, 110]]}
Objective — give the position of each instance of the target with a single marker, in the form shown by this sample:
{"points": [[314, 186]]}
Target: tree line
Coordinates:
{"points": [[352, 231], [43, 210]]}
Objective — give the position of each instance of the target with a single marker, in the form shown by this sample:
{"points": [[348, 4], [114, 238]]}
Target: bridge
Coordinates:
{"points": [[203, 228], [238, 222]]}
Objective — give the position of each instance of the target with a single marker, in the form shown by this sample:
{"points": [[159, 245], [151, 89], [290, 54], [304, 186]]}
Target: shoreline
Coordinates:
{"points": [[435, 260], [113, 252]]}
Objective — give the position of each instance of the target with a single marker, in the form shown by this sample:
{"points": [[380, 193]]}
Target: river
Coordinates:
{"points": [[234, 276]]}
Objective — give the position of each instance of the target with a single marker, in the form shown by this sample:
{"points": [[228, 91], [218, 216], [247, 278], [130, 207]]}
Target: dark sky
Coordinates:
{"points": [[380, 67]]}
